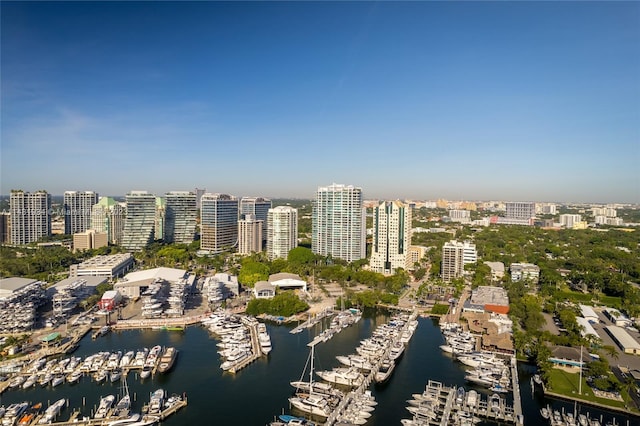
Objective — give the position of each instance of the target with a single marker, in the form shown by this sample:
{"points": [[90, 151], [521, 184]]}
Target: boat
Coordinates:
{"points": [[74, 377], [348, 376], [294, 420], [583, 420], [30, 414], [115, 375], [384, 371], [545, 412], [128, 421], [145, 372], [106, 402], [312, 403], [13, 413], [167, 359], [52, 411], [57, 380], [156, 402], [494, 402]]}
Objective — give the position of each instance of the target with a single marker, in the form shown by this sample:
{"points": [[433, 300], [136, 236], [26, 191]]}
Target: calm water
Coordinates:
{"points": [[256, 394]]}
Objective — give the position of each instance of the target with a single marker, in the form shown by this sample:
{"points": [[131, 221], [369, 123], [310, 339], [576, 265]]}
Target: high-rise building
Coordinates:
{"points": [[455, 255], [391, 237], [520, 210], [77, 210], [139, 225], [249, 234], [218, 222], [199, 193], [108, 215], [282, 231], [5, 227], [259, 207], [338, 223], [30, 216], [180, 217], [161, 209]]}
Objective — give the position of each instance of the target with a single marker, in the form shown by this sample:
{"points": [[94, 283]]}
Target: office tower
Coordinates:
{"points": [[89, 239], [259, 207], [139, 225], [218, 222], [520, 210], [108, 215], [282, 231], [391, 237], [5, 227], [180, 217], [30, 216], [77, 210], [249, 234], [452, 261], [338, 223]]}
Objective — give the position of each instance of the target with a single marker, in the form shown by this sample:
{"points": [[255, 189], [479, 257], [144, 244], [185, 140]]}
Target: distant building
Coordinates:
{"points": [[134, 283], [548, 209], [30, 216], [259, 207], [461, 216], [180, 217], [160, 218], [5, 227], [77, 210], [249, 235], [89, 239], [139, 225], [569, 220], [524, 272], [338, 223], [520, 210], [282, 231], [391, 237], [108, 215], [199, 193], [218, 222]]}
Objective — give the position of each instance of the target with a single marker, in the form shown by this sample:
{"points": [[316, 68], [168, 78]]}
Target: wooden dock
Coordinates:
{"points": [[256, 351]]}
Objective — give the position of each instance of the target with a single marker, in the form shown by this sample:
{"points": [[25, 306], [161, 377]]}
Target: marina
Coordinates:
{"points": [[264, 384]]}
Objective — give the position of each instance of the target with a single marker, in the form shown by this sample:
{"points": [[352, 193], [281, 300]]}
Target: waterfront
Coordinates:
{"points": [[259, 392]]}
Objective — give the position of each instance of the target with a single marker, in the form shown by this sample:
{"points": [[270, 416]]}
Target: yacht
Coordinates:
{"points": [[343, 376], [105, 405], [384, 371], [167, 359], [53, 410], [313, 404]]}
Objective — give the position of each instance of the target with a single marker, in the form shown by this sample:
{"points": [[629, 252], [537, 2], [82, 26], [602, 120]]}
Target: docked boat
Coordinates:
{"points": [[384, 371], [74, 377], [106, 402], [355, 361], [13, 413], [57, 380], [156, 402], [167, 359], [349, 376], [264, 339], [29, 415], [132, 419], [52, 411], [313, 404]]}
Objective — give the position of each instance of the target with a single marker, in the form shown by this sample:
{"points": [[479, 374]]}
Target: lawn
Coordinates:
{"points": [[565, 383]]}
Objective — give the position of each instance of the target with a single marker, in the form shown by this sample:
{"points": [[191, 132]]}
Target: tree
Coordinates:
{"points": [[251, 272]]}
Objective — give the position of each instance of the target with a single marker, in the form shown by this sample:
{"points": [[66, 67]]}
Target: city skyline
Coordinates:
{"points": [[412, 100]]}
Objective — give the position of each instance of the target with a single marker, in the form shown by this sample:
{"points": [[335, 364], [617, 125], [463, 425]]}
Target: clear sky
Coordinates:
{"points": [[531, 101]]}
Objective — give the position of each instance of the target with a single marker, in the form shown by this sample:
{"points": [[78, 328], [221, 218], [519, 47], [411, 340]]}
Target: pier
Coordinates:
{"points": [[311, 321], [256, 351]]}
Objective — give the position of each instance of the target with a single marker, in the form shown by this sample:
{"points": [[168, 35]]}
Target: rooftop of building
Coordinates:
{"points": [[624, 338], [105, 261], [167, 274], [15, 283], [489, 295], [495, 266]]}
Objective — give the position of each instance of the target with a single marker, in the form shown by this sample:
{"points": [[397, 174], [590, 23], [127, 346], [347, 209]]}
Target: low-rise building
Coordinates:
{"points": [[624, 340], [524, 272], [264, 290], [589, 314], [587, 329], [497, 270], [134, 283], [487, 299], [569, 357], [111, 266], [617, 317], [287, 280]]}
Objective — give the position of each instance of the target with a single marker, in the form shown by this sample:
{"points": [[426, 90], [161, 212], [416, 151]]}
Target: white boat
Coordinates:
{"points": [[312, 403], [355, 361], [156, 402], [13, 412], [349, 376], [53, 410], [128, 421], [57, 380], [106, 402], [384, 371], [74, 377]]}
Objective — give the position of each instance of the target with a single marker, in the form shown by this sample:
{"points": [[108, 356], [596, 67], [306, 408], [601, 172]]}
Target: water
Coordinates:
{"points": [[258, 393]]}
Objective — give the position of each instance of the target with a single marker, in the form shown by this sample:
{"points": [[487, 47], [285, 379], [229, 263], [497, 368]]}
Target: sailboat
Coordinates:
{"points": [[124, 404], [313, 403]]}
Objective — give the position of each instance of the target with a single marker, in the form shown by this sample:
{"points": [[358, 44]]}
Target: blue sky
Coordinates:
{"points": [[461, 100]]}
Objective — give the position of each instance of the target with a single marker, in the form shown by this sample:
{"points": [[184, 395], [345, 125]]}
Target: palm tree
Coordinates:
{"points": [[611, 351]]}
